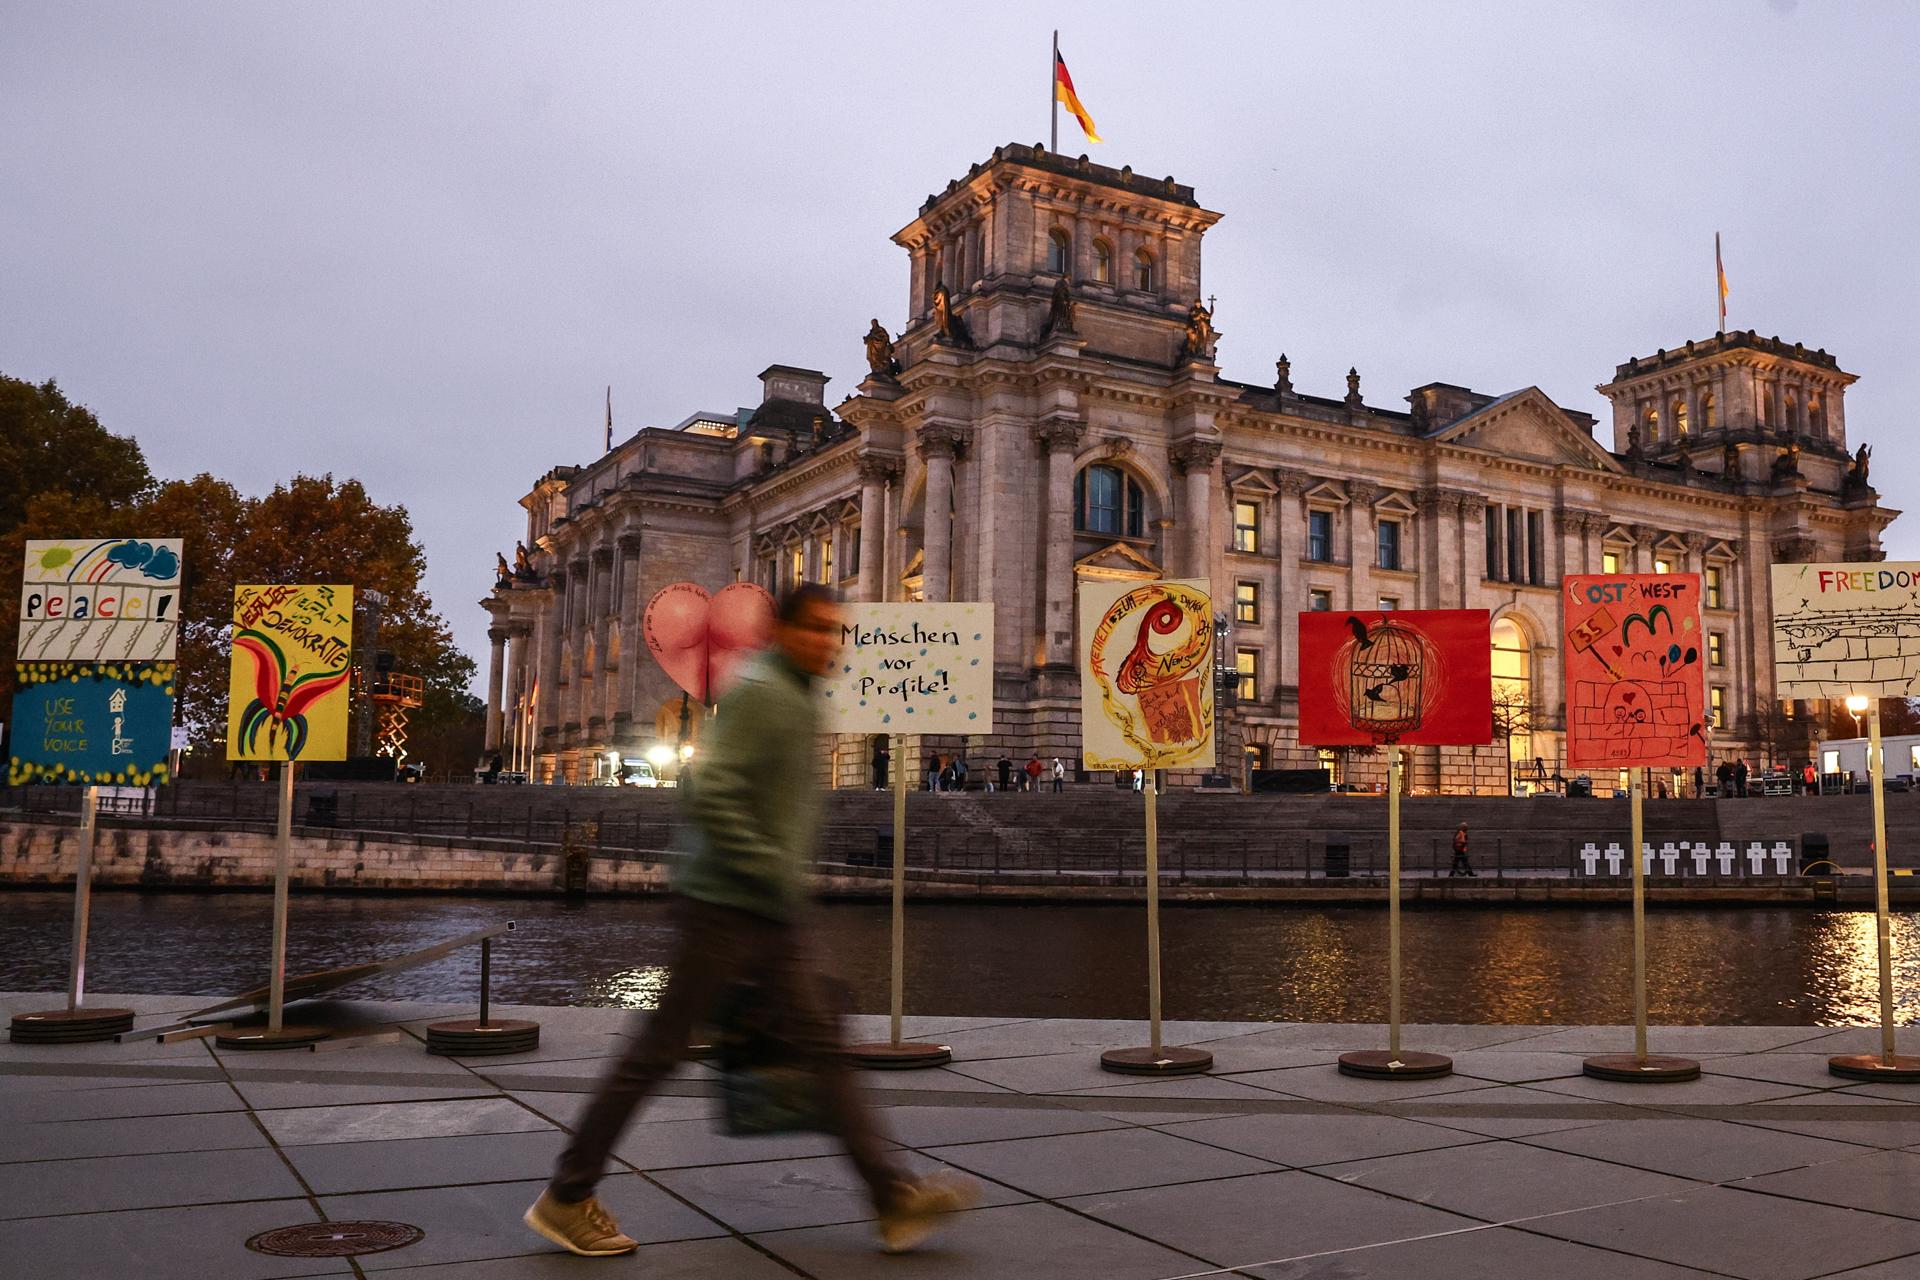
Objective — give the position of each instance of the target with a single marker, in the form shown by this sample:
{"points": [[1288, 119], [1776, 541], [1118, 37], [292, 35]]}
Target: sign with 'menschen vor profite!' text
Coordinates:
{"points": [[912, 668]]}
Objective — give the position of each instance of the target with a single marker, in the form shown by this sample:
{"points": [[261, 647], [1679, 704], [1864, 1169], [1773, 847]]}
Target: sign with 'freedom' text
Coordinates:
{"points": [[912, 668]]}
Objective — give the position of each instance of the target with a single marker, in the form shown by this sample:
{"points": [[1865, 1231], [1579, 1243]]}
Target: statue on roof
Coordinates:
{"points": [[947, 324], [1787, 464], [1857, 473], [1201, 337], [880, 357], [502, 572], [1283, 376], [522, 562], [1060, 309], [1634, 448]]}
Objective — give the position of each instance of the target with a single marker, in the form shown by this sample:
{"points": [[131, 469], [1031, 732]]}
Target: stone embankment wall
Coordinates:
{"points": [[44, 853]]}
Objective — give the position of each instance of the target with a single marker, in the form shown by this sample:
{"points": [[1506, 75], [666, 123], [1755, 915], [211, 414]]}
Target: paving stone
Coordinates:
{"points": [[1504, 1181], [129, 1136], [1109, 1160], [170, 1244], [1899, 1269], [40, 1188], [1303, 1140], [1236, 1222], [339, 1167], [1740, 1233], [937, 1126], [679, 1260], [793, 1193], [1708, 1091], [1179, 1087], [1515, 1066], [267, 1095], [1493, 1253], [1709, 1150], [1047, 1073], [1883, 1182], [379, 1122], [679, 1144], [1023, 1240], [1327, 1084], [565, 1108], [466, 1224], [140, 1100], [1867, 1126]]}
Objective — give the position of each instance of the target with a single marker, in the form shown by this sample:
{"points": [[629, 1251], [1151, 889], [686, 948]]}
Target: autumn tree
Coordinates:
{"points": [[50, 445]]}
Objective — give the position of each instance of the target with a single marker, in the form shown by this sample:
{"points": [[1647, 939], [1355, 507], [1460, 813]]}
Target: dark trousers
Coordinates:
{"points": [[1461, 867], [717, 947]]}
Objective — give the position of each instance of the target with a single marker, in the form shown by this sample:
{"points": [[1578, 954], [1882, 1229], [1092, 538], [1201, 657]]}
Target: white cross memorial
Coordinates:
{"points": [[1782, 856], [1701, 852], [1757, 857], [1669, 857], [1590, 857], [1725, 855], [1615, 854]]}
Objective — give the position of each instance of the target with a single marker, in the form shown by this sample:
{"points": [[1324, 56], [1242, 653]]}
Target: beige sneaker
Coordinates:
{"points": [[585, 1228], [911, 1219]]}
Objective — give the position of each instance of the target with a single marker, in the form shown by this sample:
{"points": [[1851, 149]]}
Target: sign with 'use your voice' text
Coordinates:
{"points": [[912, 668]]}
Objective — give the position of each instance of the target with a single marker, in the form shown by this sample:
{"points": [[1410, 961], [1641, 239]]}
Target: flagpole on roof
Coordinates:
{"points": [[609, 448], [1053, 94]]}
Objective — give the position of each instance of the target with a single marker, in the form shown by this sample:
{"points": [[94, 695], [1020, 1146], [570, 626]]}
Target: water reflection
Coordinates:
{"points": [[1573, 965]]}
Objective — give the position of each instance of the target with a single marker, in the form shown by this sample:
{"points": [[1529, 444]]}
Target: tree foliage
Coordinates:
{"points": [[309, 529]]}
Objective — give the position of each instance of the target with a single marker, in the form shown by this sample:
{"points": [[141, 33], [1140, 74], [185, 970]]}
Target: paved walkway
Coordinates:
{"points": [[159, 1161]]}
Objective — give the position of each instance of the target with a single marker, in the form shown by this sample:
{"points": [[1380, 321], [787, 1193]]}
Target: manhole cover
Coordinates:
{"points": [[334, 1239]]}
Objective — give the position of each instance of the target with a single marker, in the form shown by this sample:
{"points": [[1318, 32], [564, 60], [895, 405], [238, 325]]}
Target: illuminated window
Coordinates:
{"points": [[1254, 754], [1829, 762], [796, 565], [1715, 598], [1246, 662], [1246, 602], [1816, 417], [1716, 649], [1650, 430], [1513, 686], [1319, 535], [1708, 421], [1679, 417], [1107, 500], [1059, 251], [826, 558], [1609, 562], [1103, 262], [1320, 601], [1143, 271], [1329, 759], [1663, 566], [1388, 551], [1389, 603], [1717, 707], [1246, 527]]}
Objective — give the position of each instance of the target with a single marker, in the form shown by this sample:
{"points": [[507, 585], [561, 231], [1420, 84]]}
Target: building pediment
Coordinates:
{"points": [[1526, 424], [1116, 562], [1252, 480]]}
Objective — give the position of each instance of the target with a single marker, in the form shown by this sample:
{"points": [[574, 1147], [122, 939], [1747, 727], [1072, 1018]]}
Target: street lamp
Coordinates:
{"points": [[1856, 707]]}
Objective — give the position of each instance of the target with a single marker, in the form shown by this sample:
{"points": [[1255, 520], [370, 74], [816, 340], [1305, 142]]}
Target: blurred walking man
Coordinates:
{"points": [[742, 899]]}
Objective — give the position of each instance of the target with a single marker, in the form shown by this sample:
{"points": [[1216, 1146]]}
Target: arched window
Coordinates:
{"points": [[1679, 417], [1708, 421], [1103, 262], [1790, 417], [1107, 500], [1816, 417], [1513, 693], [1650, 426], [1143, 271], [1059, 251]]}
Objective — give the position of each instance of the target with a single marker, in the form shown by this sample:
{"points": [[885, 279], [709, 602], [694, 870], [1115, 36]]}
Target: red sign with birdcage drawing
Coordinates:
{"points": [[1636, 681], [1418, 677]]}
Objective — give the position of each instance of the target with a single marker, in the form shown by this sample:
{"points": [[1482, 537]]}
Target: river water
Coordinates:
{"points": [[1792, 966]]}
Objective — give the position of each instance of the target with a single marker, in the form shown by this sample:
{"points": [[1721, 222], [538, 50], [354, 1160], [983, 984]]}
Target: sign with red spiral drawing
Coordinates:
{"points": [[1636, 671], [1146, 675], [1419, 677], [288, 691]]}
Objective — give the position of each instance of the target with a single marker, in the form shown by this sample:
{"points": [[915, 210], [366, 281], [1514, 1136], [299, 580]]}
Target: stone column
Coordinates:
{"points": [[495, 677], [1290, 533], [550, 626], [1473, 547], [514, 733], [875, 475], [1361, 545], [632, 646], [599, 607], [1643, 550], [1443, 587], [1195, 459], [1059, 440], [938, 446], [579, 590]]}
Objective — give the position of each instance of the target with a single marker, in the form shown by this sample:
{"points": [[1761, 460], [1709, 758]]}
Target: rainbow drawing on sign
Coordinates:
{"points": [[100, 600]]}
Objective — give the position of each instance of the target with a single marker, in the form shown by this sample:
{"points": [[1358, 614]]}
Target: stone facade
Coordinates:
{"points": [[1051, 413]]}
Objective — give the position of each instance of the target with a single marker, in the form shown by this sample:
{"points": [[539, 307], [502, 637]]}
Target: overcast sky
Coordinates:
{"points": [[414, 243]]}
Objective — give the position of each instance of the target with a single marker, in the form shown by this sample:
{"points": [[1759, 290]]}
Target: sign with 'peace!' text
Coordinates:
{"points": [[912, 668]]}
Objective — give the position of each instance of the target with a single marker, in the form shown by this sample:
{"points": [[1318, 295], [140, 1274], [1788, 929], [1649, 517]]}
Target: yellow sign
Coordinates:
{"points": [[287, 698], [1146, 675]]}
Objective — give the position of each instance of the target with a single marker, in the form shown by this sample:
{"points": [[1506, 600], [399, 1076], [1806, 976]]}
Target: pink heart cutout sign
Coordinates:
{"points": [[700, 640]]}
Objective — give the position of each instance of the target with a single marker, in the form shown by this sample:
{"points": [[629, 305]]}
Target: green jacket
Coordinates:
{"points": [[753, 811]]}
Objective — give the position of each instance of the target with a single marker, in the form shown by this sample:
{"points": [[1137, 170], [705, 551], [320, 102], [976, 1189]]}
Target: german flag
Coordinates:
{"points": [[1063, 93]]}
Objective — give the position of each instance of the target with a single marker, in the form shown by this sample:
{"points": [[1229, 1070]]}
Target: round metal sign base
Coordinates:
{"points": [[1652, 1069], [469, 1038], [69, 1026], [1384, 1064], [335, 1239], [261, 1038], [886, 1056], [1168, 1061], [1871, 1066]]}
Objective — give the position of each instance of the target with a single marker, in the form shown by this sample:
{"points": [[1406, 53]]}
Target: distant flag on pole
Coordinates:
{"points": [[1064, 94], [1720, 270], [609, 420]]}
